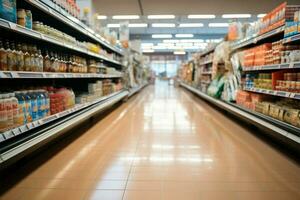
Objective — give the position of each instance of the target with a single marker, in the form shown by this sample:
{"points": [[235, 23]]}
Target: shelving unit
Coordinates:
{"points": [[274, 93], [51, 9], [49, 39], [293, 65], [291, 39], [256, 39], [12, 147], [279, 129], [133, 91], [41, 75]]}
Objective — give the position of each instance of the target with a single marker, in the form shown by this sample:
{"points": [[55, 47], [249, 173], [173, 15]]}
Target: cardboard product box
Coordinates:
{"points": [[266, 108], [292, 116]]}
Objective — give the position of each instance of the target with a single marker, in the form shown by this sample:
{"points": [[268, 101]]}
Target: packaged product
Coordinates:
{"points": [[8, 10], [292, 116], [28, 17]]}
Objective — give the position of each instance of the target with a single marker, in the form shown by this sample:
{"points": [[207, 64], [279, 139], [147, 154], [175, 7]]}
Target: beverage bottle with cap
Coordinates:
{"points": [[34, 109], [40, 104], [21, 107], [3, 113], [3, 57], [20, 58], [27, 99], [9, 110], [15, 110]]}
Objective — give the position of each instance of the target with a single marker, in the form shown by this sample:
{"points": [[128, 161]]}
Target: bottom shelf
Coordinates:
{"points": [[282, 130], [33, 140], [136, 89]]}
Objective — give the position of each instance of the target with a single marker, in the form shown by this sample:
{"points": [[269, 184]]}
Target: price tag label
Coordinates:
{"points": [[16, 131], [23, 128], [12, 25], [2, 75], [1, 137], [29, 125], [291, 65], [35, 124], [8, 134]]}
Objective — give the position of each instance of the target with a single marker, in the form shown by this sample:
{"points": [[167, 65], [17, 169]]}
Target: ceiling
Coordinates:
{"points": [[183, 7], [180, 8]]}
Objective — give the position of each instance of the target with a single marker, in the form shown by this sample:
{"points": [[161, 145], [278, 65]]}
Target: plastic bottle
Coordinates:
{"points": [[10, 57], [3, 113], [34, 109], [21, 107], [9, 110], [15, 110], [41, 60], [27, 58], [47, 62], [47, 103], [3, 57], [27, 99], [20, 58], [40, 104]]}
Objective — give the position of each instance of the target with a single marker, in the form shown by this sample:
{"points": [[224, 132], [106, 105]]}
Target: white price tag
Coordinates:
{"points": [[16, 131], [12, 25], [291, 65]]}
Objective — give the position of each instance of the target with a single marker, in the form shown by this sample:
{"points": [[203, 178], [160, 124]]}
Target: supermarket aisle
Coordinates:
{"points": [[162, 144]]}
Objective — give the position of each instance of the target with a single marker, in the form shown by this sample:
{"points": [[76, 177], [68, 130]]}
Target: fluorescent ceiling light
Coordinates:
{"points": [[185, 44], [126, 17], [101, 17], [179, 52], [161, 16], [184, 35], [201, 16], [161, 36], [170, 41], [163, 25], [218, 24], [164, 44], [191, 40], [261, 15], [139, 25], [226, 16], [148, 51], [147, 44], [190, 25], [113, 25], [160, 47]]}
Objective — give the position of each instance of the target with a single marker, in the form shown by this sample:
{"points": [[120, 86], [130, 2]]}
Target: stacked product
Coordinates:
{"points": [[271, 53], [292, 27], [69, 6], [94, 91], [289, 82], [20, 107], [248, 99], [60, 99]]}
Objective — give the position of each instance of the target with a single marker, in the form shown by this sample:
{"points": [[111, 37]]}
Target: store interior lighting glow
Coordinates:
{"points": [[229, 16], [191, 40], [148, 51], [139, 25], [261, 15], [101, 17], [201, 16], [184, 35], [191, 25], [113, 25], [161, 16], [125, 17], [179, 52], [163, 25], [218, 24], [161, 36], [170, 41]]}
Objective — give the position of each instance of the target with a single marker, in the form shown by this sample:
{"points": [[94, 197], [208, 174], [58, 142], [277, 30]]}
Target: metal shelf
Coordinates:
{"points": [[256, 38], [60, 14], [293, 65], [294, 38], [33, 75], [207, 51], [282, 130], [52, 131], [274, 93], [27, 127], [36, 35], [136, 89]]}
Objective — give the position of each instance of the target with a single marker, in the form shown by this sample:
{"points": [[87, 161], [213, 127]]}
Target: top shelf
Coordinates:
{"points": [[52, 9], [255, 39]]}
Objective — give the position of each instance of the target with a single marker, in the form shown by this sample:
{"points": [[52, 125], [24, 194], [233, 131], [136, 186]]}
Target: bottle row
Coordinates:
{"points": [[26, 57], [19, 107]]}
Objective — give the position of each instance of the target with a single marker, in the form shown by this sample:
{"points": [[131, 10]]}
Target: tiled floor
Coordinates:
{"points": [[162, 144]]}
